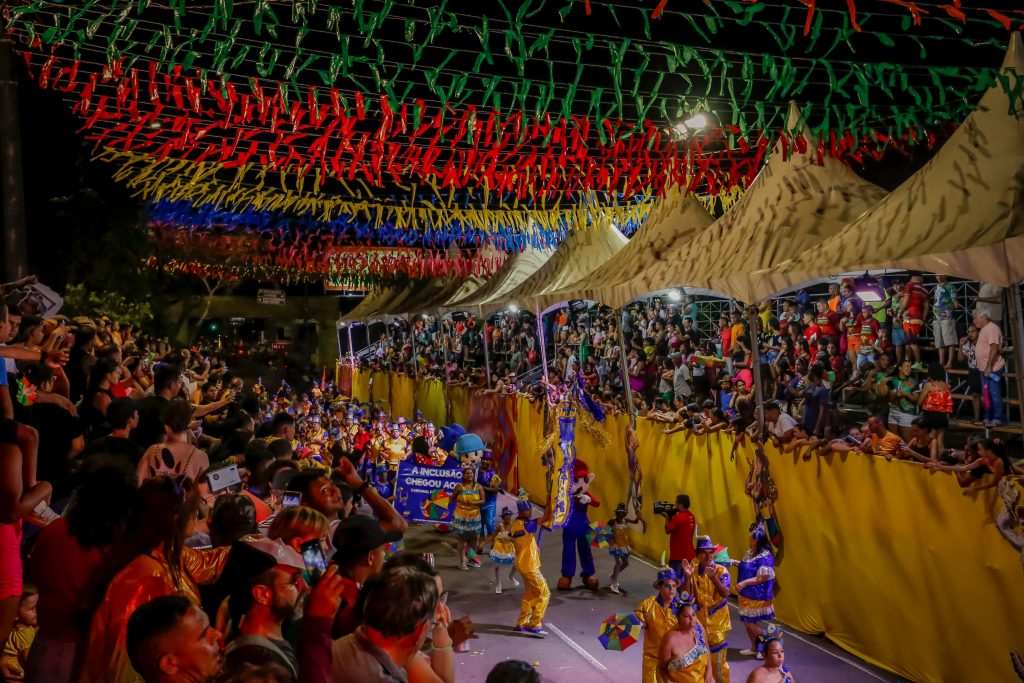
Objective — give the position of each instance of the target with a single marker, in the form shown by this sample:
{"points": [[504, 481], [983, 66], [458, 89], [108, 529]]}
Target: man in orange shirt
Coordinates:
{"points": [[880, 440]]}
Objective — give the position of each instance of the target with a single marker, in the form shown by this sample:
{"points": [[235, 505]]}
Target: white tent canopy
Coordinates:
{"points": [[581, 253], [959, 215], [793, 203], [639, 267], [516, 269]]}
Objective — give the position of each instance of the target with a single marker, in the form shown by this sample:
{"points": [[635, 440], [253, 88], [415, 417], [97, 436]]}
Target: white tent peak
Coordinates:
{"points": [[1014, 58], [961, 214], [640, 266], [580, 253], [794, 118]]}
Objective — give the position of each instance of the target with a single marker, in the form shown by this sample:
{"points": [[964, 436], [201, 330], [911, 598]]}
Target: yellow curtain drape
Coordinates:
{"points": [[889, 561]]}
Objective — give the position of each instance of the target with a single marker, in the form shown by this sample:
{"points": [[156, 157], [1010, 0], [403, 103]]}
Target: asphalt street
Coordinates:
{"points": [[571, 653]]}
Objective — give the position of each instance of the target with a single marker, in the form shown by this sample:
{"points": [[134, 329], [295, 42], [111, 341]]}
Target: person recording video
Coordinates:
{"points": [[680, 525]]}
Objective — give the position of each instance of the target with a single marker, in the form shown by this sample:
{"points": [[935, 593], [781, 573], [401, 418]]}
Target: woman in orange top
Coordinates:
{"points": [[161, 564], [936, 402]]}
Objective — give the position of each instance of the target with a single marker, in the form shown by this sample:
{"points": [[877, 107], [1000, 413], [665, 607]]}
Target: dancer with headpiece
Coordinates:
{"points": [[503, 551], [658, 615], [771, 647], [536, 594], [756, 585], [618, 545], [684, 655], [709, 582]]}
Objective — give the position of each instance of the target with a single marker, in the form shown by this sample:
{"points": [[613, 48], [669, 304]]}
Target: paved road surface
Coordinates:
{"points": [[572, 653]]}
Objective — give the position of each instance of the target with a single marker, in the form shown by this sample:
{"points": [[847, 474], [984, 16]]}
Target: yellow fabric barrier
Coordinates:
{"points": [[403, 396], [890, 562], [430, 399]]}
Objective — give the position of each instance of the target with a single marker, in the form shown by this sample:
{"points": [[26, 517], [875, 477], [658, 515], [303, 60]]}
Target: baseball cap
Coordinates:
{"points": [[358, 535], [275, 550]]}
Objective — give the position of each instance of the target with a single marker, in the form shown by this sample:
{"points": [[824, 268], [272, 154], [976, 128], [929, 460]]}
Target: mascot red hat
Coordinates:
{"points": [[580, 470]]}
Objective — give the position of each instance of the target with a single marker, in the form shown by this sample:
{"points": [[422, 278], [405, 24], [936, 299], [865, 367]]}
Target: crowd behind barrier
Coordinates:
{"points": [[895, 348], [876, 554]]}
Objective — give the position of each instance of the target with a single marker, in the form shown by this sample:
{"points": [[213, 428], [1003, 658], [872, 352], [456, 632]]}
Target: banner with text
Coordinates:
{"points": [[424, 493]]}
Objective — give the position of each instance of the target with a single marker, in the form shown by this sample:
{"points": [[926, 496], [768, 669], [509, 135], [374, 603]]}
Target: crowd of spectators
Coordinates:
{"points": [[158, 514], [896, 350]]}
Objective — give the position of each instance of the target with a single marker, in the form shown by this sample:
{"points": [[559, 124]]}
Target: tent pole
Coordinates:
{"points": [[755, 366], [540, 340], [351, 349], [445, 339], [624, 371], [1017, 334], [487, 350], [412, 356]]}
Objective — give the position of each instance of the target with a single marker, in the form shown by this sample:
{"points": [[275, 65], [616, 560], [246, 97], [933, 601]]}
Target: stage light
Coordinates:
{"points": [[692, 124], [869, 295], [512, 308], [674, 295]]}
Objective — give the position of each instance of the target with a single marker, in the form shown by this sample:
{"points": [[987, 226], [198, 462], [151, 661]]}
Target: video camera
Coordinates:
{"points": [[663, 507]]}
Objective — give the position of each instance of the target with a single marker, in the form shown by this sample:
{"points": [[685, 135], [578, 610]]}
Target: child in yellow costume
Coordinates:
{"points": [[536, 594], [658, 616], [709, 583]]}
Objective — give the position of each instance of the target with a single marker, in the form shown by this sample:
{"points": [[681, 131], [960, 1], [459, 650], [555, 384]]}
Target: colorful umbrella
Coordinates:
{"points": [[394, 549], [721, 555], [599, 535], [436, 505], [619, 631]]}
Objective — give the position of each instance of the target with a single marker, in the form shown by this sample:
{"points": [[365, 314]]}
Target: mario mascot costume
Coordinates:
{"points": [[574, 534]]}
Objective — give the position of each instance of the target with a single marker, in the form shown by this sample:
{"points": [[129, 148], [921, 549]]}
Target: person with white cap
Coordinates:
{"points": [[261, 603]]}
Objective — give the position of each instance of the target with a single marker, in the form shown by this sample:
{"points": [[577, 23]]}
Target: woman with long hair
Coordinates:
{"points": [[98, 396], [163, 516], [991, 460], [67, 562]]}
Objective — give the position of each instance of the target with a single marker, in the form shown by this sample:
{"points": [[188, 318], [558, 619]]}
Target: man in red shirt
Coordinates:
{"points": [[681, 526], [915, 305], [812, 333]]}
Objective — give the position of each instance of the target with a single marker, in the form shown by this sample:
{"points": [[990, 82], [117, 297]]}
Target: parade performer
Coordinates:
{"points": [[536, 593], [469, 496], [503, 552], [393, 448], [384, 487], [574, 534], [774, 669], [658, 615], [684, 656], [709, 582], [488, 478], [618, 546], [756, 585]]}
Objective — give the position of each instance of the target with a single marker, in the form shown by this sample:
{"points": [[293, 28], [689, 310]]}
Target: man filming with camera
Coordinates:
{"points": [[680, 525]]}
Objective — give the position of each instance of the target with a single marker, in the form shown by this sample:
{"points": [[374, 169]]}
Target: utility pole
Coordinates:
{"points": [[11, 187]]}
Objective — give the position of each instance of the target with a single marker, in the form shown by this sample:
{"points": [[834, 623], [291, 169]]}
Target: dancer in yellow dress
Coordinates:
{"points": [[536, 594], [684, 656], [658, 616], [618, 546], [469, 496], [709, 583], [503, 552]]}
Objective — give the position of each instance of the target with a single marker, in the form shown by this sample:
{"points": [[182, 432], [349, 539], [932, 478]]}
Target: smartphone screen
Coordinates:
{"points": [[223, 478], [291, 499], [316, 563]]}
